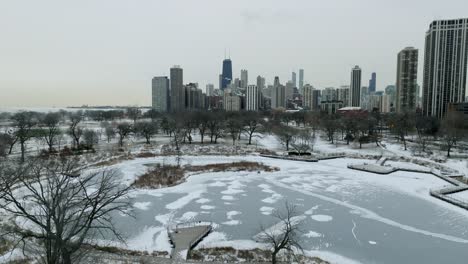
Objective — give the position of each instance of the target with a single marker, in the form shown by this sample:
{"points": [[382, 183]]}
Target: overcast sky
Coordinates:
{"points": [[105, 52]]}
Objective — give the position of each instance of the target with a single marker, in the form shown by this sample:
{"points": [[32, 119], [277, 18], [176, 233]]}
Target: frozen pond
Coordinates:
{"points": [[361, 216]]}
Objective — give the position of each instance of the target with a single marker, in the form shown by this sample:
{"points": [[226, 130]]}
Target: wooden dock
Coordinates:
{"points": [[185, 236]]}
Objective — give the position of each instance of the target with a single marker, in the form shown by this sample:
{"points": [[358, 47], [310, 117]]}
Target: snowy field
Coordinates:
{"points": [[348, 216]]}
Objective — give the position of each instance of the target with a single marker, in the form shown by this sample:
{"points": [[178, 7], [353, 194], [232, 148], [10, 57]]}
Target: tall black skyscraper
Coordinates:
{"points": [[355, 87], [177, 89], [445, 65], [372, 83], [227, 73]]}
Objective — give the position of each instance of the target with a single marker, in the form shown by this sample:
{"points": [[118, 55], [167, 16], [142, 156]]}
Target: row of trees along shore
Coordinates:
{"points": [[72, 130]]}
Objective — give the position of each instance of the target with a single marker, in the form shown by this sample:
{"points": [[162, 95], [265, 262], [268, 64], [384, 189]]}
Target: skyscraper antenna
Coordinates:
{"points": [[225, 53]]}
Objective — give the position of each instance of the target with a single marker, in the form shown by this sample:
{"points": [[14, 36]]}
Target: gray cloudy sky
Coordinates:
{"points": [[97, 52]]}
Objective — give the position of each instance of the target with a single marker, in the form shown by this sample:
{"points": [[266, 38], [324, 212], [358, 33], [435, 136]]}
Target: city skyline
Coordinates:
{"points": [[56, 59]]}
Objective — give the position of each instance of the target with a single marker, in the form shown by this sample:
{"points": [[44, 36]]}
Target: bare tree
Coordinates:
{"points": [[400, 125], [123, 130], [74, 130], [62, 206], [330, 125], [24, 123], [285, 134], [312, 119], [234, 128], [426, 128], [252, 124], [146, 129], [8, 140], [201, 120], [51, 131], [133, 113], [3, 144], [109, 131], [90, 138], [284, 236], [303, 141], [215, 126], [454, 128]]}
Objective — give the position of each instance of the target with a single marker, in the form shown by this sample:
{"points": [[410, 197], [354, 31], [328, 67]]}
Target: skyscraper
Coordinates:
{"points": [[372, 83], [407, 78], [260, 82], [355, 87], [177, 89], [310, 98], [160, 94], [278, 95], [244, 78], [289, 90], [227, 73], [209, 89], [343, 95], [252, 98], [445, 65], [261, 87], [294, 79], [301, 81]]}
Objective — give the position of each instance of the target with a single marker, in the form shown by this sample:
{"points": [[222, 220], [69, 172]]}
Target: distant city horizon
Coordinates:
{"points": [[51, 57]]}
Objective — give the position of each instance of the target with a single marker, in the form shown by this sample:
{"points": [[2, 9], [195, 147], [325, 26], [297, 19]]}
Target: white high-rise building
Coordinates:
{"points": [[244, 79], [310, 98], [407, 80], [289, 90], [355, 87], [386, 104], [329, 94], [210, 89], [160, 94], [445, 66], [231, 102], [343, 94], [252, 98]]}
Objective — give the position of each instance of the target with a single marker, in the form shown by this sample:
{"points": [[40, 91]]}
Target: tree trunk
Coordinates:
{"points": [[11, 149], [66, 257], [273, 258], [22, 151]]}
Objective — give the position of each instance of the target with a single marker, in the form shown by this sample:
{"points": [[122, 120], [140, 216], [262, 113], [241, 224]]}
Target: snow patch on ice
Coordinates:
{"points": [[266, 210], [188, 216], [322, 218], [181, 202], [142, 205], [232, 222], [228, 198], [202, 200], [207, 207], [312, 234]]}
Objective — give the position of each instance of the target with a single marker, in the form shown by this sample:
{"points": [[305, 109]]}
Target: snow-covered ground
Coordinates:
{"points": [[347, 215]]}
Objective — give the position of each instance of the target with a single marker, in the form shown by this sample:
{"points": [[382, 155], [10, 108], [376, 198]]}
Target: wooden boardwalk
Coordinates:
{"points": [[442, 193], [186, 236]]}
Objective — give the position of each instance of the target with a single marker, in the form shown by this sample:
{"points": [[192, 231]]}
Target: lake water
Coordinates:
{"points": [[344, 212]]}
